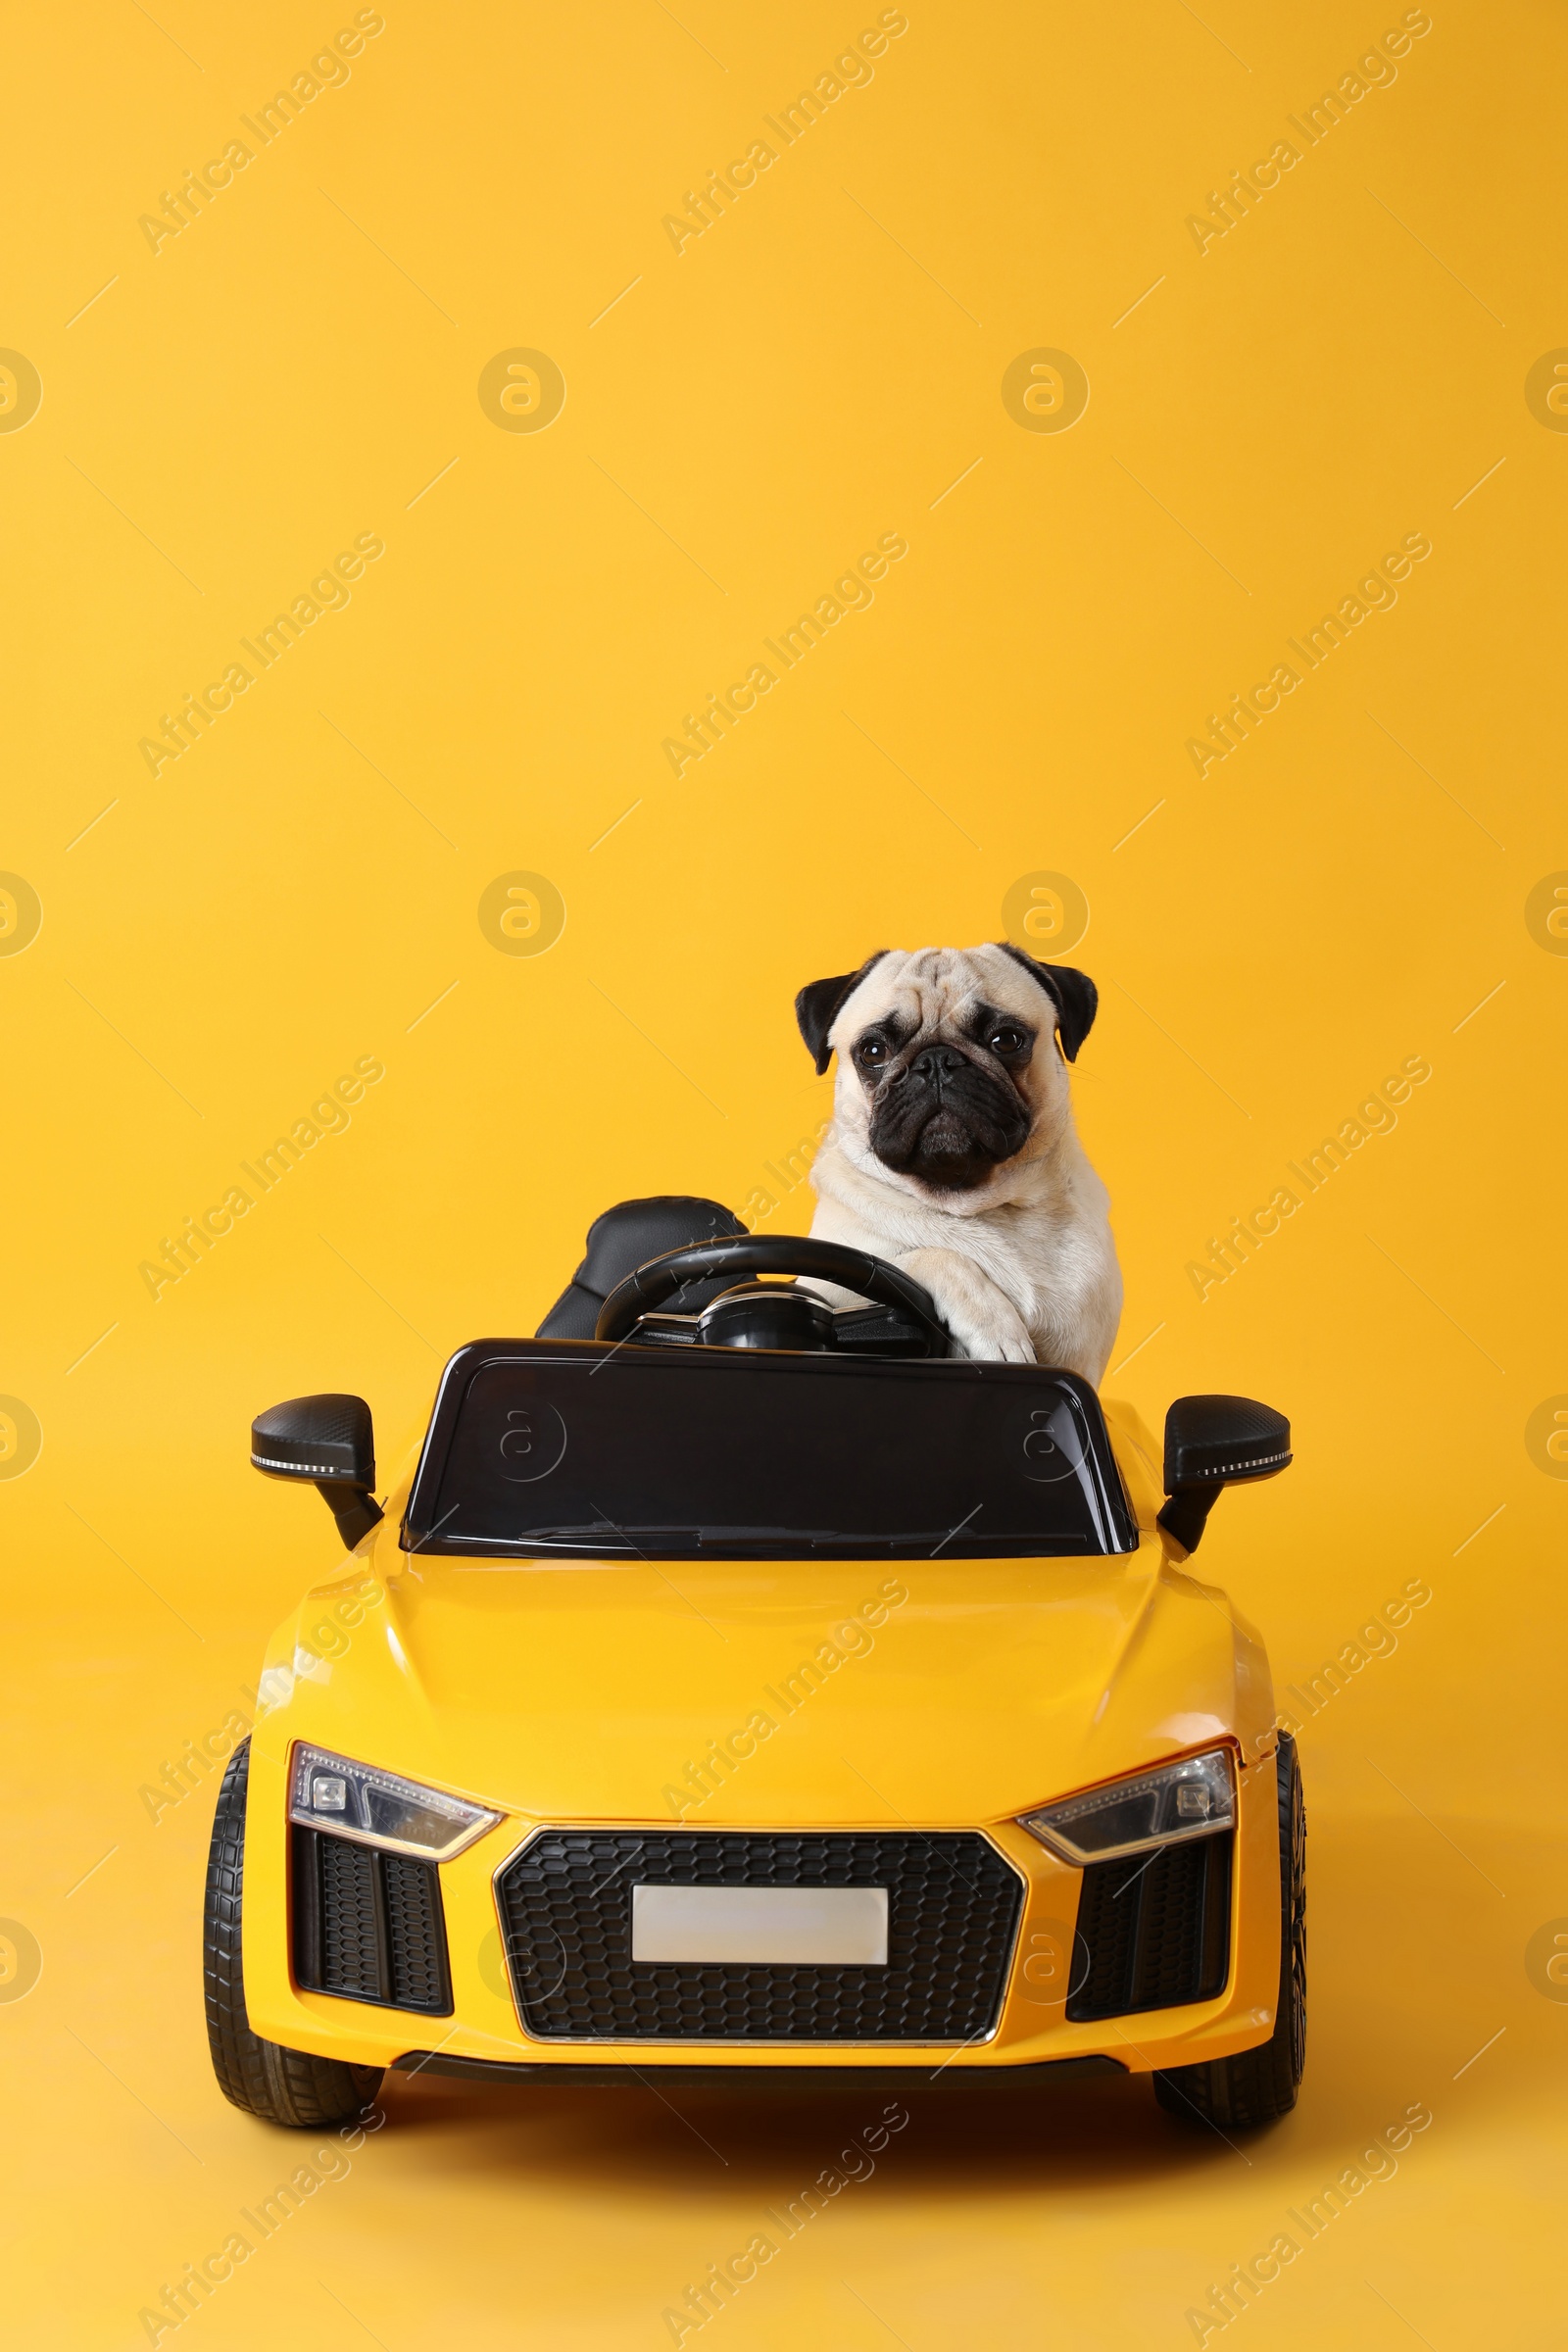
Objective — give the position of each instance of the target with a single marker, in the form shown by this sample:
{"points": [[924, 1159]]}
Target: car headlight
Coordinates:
{"points": [[1191, 1799], [380, 1808]]}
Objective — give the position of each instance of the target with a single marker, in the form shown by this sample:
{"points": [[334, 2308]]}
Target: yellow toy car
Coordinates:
{"points": [[737, 1687]]}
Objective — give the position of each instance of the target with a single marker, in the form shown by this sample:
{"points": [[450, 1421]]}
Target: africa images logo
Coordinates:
{"points": [[851, 593], [1374, 594], [328, 593], [328, 70], [852, 71]]}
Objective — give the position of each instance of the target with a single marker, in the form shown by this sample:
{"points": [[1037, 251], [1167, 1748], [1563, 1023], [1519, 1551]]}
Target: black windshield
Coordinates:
{"points": [[550, 1448]]}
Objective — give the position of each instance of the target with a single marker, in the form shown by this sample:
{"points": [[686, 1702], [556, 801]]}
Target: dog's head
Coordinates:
{"points": [[949, 1072]]}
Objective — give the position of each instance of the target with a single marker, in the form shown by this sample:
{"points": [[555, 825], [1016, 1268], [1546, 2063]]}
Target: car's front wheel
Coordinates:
{"points": [[281, 2085], [1259, 2086]]}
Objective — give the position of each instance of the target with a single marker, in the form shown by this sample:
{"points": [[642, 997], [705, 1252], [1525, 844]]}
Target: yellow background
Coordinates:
{"points": [[298, 366]]}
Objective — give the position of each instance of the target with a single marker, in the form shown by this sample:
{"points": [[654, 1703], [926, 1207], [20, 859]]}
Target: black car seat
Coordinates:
{"points": [[623, 1239]]}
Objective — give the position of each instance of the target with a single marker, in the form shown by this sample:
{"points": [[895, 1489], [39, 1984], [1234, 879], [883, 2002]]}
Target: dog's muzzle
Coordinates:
{"points": [[946, 1120]]}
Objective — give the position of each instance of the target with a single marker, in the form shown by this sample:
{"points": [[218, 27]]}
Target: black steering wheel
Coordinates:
{"points": [[903, 1322]]}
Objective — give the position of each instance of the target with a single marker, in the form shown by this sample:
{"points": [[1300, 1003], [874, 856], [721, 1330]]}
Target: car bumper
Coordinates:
{"points": [[483, 2033]]}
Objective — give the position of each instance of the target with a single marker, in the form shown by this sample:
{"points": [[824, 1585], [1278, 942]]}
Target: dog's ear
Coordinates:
{"points": [[816, 1009], [1074, 995]]}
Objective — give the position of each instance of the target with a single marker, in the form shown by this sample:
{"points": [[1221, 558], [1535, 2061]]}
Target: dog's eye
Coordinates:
{"points": [[872, 1048], [1006, 1041]]}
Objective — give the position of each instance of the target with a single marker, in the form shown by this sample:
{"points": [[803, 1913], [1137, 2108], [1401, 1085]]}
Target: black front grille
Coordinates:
{"points": [[369, 1926], [1152, 1933], [952, 1916]]}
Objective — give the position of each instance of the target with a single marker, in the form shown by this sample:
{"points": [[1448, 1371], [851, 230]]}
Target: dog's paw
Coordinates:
{"points": [[982, 1319]]}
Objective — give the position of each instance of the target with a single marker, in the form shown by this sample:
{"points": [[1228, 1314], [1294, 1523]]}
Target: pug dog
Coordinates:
{"points": [[952, 1151]]}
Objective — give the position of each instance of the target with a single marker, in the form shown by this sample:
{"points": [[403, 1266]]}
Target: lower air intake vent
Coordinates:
{"points": [[369, 1926], [1152, 1933], [952, 1916]]}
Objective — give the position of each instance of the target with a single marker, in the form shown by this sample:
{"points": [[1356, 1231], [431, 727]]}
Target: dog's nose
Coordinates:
{"points": [[936, 1064]]}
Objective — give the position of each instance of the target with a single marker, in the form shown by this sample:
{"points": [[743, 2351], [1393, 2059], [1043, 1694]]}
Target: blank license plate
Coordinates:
{"points": [[843, 1927]]}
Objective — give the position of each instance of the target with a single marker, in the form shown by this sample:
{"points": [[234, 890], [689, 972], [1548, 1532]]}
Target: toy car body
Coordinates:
{"points": [[767, 1694]]}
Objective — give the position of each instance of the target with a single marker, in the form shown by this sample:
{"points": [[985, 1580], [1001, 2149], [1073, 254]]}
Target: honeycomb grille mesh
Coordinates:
{"points": [[953, 1917], [417, 1945], [350, 1942], [369, 1926], [1152, 1933]]}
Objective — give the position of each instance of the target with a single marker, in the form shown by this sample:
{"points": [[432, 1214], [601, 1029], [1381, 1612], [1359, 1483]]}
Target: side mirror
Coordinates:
{"points": [[1214, 1442], [330, 1441]]}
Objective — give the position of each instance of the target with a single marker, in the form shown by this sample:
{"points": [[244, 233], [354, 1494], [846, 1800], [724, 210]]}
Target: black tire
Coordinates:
{"points": [[1259, 2086], [282, 2087]]}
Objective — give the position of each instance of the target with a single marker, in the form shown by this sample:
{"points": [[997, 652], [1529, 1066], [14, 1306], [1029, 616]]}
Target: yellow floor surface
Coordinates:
{"points": [[993, 2215]]}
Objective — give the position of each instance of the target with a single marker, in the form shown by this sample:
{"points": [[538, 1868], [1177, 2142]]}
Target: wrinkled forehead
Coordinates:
{"points": [[940, 988]]}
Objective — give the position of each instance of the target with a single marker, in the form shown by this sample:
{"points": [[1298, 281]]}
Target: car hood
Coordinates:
{"points": [[758, 1694]]}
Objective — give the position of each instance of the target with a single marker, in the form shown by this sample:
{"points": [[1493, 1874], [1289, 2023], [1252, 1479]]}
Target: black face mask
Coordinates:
{"points": [[940, 1116]]}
